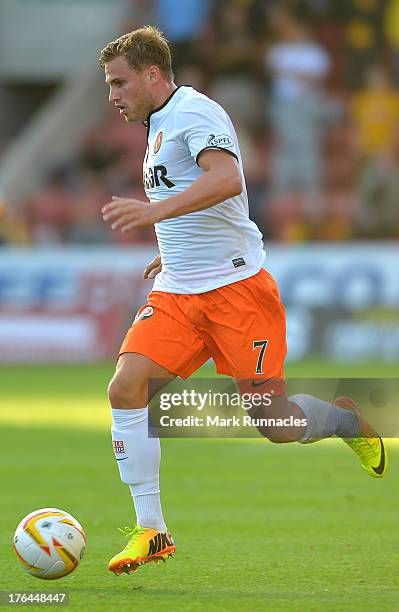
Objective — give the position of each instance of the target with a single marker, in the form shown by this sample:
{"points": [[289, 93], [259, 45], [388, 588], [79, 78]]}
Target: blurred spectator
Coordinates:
{"points": [[255, 152], [298, 64], [85, 224], [304, 178], [391, 31], [378, 215], [362, 22], [191, 74], [13, 226], [50, 211], [234, 55], [375, 115], [299, 115], [318, 7], [182, 21]]}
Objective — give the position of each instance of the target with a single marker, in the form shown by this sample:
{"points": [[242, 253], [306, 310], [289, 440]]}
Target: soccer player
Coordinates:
{"points": [[211, 296]]}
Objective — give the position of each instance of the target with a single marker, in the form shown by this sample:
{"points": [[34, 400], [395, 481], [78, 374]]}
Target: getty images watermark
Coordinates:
{"points": [[204, 401], [219, 407]]}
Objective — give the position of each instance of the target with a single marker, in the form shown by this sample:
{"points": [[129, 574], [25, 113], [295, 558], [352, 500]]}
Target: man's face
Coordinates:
{"points": [[129, 90]]}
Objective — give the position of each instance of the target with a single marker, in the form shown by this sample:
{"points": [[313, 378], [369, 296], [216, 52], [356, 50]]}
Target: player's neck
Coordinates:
{"points": [[164, 92]]}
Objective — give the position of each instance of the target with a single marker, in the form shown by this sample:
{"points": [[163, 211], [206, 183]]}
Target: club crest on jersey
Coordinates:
{"points": [[223, 140], [158, 142], [145, 312]]}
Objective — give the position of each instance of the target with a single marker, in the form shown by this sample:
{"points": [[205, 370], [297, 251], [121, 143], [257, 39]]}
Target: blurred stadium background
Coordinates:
{"points": [[313, 89], [312, 86]]}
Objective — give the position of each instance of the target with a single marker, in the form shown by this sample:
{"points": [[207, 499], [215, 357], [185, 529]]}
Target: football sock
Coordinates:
{"points": [[148, 510], [138, 458], [325, 419]]}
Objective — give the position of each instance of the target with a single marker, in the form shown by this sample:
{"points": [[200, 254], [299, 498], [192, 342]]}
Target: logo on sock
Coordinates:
{"points": [[118, 447]]}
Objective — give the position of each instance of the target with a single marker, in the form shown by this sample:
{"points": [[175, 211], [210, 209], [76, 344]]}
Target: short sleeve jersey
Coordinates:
{"points": [[210, 248]]}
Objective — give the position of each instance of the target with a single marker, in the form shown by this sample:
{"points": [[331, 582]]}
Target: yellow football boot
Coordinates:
{"points": [[368, 446], [144, 545]]}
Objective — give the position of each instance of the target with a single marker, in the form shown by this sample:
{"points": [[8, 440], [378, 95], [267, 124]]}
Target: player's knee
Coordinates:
{"points": [[126, 394], [117, 393]]}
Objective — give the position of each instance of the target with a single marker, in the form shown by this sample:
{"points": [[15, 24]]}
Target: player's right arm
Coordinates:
{"points": [[153, 268]]}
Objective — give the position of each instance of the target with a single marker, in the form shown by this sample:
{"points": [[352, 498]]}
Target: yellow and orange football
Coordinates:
{"points": [[49, 543]]}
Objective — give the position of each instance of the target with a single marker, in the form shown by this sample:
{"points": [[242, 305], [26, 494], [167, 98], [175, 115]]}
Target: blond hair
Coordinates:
{"points": [[142, 48]]}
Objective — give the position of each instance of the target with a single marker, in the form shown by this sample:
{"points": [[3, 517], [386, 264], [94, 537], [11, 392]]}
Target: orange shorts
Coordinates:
{"points": [[241, 326]]}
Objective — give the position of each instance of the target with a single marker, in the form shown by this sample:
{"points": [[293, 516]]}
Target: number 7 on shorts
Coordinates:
{"points": [[262, 344]]}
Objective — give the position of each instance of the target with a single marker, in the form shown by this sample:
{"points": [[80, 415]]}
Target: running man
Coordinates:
{"points": [[211, 296]]}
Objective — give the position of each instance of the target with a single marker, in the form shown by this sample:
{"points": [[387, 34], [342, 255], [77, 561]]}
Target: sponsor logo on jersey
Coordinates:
{"points": [[153, 176], [119, 447], [223, 140], [239, 261], [158, 142], [144, 313]]}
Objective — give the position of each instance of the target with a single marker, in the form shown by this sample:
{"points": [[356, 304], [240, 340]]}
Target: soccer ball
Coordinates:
{"points": [[49, 543]]}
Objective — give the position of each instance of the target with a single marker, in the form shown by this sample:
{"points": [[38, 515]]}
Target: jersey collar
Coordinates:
{"points": [[156, 110]]}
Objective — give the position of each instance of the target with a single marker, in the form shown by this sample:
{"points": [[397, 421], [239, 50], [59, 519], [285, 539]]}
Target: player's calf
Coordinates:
{"points": [[280, 422], [304, 418]]}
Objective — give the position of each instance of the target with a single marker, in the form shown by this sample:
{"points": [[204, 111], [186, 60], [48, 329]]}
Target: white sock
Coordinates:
{"points": [[148, 510], [138, 458]]}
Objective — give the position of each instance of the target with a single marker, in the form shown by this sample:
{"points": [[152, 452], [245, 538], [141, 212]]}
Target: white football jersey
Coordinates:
{"points": [[209, 248]]}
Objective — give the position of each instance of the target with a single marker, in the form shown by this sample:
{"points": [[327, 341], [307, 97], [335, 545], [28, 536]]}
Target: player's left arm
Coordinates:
{"points": [[221, 180]]}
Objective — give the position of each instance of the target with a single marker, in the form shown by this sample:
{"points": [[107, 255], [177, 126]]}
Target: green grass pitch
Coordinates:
{"points": [[258, 526]]}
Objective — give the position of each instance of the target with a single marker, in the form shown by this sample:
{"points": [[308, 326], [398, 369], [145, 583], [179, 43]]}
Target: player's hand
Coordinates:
{"points": [[128, 213], [153, 268]]}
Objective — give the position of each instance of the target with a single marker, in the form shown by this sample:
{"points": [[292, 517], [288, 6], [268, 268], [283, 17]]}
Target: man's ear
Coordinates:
{"points": [[154, 74]]}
